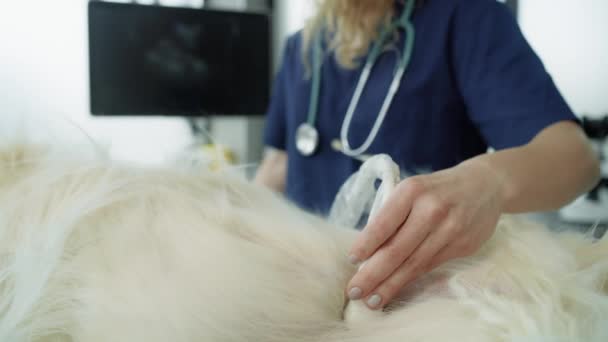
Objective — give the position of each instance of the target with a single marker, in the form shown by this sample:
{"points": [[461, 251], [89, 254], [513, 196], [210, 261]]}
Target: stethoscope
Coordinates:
{"points": [[307, 136]]}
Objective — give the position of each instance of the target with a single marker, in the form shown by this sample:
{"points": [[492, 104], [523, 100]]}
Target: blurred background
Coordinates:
{"points": [[45, 69], [59, 59]]}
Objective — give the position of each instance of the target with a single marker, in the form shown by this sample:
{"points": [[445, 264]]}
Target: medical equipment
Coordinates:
{"points": [[307, 136], [336, 145], [150, 60], [358, 195], [355, 197], [592, 208]]}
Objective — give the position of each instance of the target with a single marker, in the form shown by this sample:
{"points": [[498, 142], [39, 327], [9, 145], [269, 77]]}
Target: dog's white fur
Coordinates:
{"points": [[92, 250]]}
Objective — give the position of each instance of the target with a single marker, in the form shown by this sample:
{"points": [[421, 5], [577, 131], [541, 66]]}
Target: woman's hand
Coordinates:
{"points": [[428, 220]]}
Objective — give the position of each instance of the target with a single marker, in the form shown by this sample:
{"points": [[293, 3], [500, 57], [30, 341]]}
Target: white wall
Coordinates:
{"points": [[290, 16], [44, 71], [571, 37]]}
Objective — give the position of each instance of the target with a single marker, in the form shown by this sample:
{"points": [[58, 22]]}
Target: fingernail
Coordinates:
{"points": [[374, 301], [353, 259], [354, 293]]}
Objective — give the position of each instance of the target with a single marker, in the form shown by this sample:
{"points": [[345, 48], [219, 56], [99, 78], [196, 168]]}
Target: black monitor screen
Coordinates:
{"points": [[153, 60]]}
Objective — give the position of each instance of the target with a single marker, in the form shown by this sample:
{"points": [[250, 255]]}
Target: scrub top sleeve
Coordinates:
{"points": [[275, 130], [509, 95]]}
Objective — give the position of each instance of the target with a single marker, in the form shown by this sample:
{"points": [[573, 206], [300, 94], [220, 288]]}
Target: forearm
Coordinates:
{"points": [[272, 172], [553, 169]]}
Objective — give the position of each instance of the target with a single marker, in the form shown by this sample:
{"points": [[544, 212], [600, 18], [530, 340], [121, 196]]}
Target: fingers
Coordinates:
{"points": [[388, 220], [425, 216], [389, 257], [440, 257], [419, 262], [435, 250]]}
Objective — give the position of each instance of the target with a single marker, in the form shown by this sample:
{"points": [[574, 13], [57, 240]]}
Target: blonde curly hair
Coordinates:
{"points": [[350, 27]]}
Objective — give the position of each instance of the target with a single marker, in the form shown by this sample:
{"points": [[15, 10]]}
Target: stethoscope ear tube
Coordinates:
{"points": [[310, 140], [393, 89]]}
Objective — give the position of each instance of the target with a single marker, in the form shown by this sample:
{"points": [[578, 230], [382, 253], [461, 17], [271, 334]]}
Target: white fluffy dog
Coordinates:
{"points": [[93, 250]]}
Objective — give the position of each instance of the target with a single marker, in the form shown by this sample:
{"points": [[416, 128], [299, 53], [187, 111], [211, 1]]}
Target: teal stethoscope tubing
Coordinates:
{"points": [[404, 22]]}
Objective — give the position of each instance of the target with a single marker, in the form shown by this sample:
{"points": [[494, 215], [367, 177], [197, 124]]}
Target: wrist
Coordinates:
{"points": [[497, 181]]}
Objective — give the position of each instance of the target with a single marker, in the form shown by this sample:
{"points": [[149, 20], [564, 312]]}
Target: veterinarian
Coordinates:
{"points": [[450, 78]]}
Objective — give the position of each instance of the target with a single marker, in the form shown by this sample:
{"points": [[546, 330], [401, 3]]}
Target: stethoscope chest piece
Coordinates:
{"points": [[307, 139]]}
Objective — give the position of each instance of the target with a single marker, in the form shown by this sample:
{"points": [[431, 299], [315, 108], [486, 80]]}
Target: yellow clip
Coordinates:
{"points": [[218, 155]]}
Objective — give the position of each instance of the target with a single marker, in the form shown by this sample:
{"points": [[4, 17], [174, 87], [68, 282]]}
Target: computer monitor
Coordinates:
{"points": [[156, 60]]}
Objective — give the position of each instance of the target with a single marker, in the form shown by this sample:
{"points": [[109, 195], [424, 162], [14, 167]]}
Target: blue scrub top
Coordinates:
{"points": [[473, 82]]}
